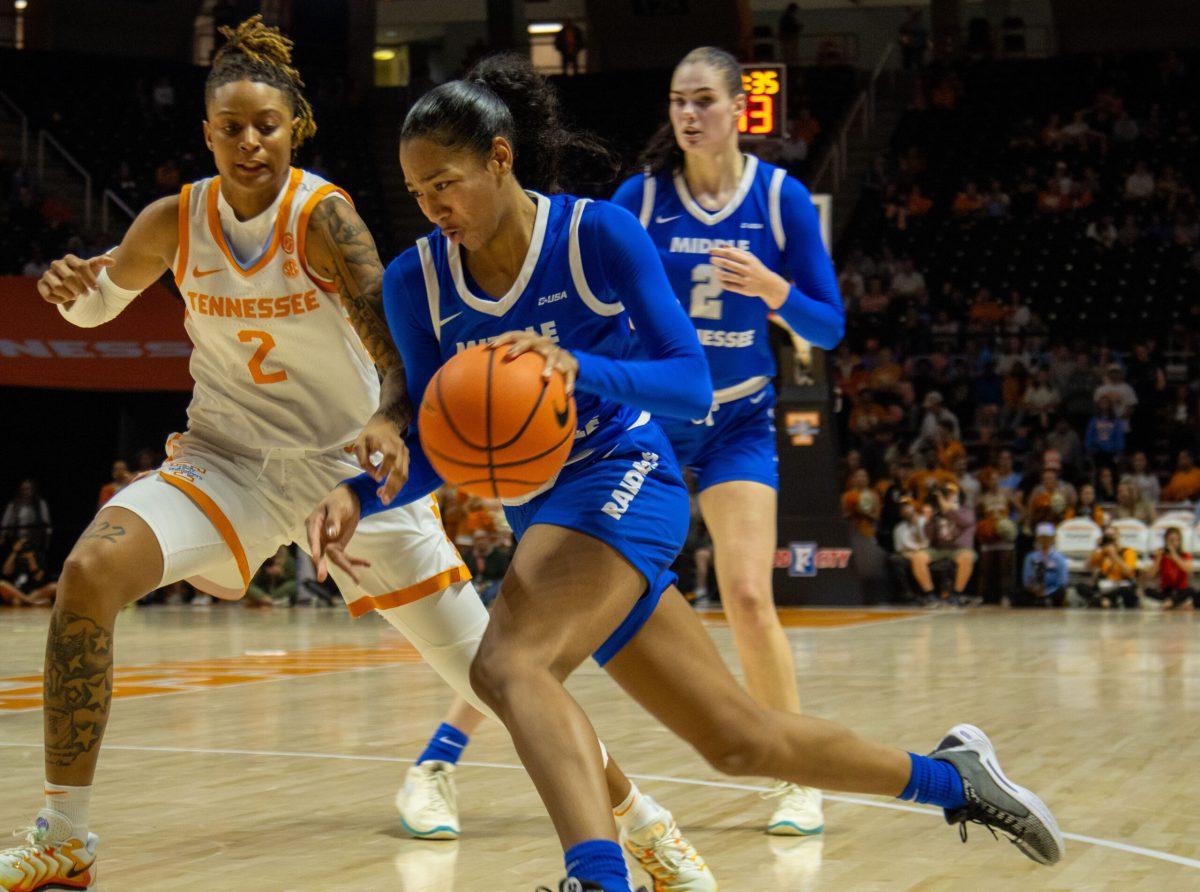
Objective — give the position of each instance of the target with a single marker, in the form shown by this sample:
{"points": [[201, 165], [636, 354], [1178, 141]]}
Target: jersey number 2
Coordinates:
{"points": [[706, 292], [266, 344]]}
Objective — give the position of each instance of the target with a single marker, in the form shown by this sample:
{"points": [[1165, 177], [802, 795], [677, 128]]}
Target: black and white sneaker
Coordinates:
{"points": [[996, 802]]}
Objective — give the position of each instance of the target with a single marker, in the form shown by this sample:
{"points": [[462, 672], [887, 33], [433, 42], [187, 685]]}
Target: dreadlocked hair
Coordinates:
{"points": [[257, 52], [504, 95]]}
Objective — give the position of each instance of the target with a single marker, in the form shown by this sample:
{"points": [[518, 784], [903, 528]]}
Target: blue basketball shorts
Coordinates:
{"points": [[632, 498], [736, 442]]}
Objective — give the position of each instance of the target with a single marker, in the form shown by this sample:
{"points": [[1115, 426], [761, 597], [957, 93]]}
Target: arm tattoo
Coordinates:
{"points": [[359, 276], [102, 529], [77, 687]]}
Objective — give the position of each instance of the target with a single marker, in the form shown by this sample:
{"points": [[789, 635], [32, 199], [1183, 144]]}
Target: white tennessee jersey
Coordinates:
{"points": [[276, 362]]}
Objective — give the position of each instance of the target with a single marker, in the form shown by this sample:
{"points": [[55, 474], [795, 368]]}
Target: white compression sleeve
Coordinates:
{"points": [[445, 628], [99, 305]]}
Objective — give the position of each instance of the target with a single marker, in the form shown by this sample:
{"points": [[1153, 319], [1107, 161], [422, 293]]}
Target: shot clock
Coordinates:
{"points": [[765, 116]]}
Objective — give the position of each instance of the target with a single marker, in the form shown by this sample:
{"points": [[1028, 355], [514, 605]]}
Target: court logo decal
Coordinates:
{"points": [[23, 692]]}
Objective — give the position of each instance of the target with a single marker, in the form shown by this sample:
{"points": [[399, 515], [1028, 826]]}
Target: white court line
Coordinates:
{"points": [[725, 785]]}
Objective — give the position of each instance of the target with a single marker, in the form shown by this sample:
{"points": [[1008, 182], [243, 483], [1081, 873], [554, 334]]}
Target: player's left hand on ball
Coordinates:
{"points": [[382, 453], [330, 529], [557, 359], [742, 273]]}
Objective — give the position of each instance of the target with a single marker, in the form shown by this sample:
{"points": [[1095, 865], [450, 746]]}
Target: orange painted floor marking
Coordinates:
{"points": [[820, 618], [21, 692]]}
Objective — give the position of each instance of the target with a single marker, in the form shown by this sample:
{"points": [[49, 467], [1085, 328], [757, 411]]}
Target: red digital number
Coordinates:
{"points": [[759, 117]]}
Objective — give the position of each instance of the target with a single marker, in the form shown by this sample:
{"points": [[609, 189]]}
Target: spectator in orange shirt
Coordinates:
{"points": [[1184, 484], [1052, 199], [968, 200], [1050, 500], [918, 203], [120, 479], [949, 448], [478, 517], [987, 310], [1088, 507], [1114, 573], [927, 476], [1013, 388], [861, 504]]}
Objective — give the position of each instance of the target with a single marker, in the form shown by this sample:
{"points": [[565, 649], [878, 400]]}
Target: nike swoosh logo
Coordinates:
{"points": [[200, 274], [450, 742], [448, 319], [78, 866], [755, 400], [562, 416], [667, 219], [752, 226]]}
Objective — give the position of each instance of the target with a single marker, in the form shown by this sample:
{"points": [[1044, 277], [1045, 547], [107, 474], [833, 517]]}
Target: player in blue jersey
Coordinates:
{"points": [[589, 574], [732, 231]]}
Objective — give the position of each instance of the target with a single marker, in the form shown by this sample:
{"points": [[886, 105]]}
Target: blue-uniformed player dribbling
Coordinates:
{"points": [[578, 575]]}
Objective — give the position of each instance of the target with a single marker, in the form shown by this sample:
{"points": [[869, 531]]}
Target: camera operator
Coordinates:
{"points": [[1114, 574], [23, 580]]}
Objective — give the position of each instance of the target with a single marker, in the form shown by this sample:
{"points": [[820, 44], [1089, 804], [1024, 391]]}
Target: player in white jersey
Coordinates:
{"points": [[282, 290]]}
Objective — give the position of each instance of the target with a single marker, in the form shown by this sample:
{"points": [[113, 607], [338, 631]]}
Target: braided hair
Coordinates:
{"points": [[257, 52]]}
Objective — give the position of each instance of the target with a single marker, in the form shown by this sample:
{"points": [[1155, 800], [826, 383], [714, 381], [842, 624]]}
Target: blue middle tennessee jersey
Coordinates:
{"points": [[550, 297], [732, 327]]}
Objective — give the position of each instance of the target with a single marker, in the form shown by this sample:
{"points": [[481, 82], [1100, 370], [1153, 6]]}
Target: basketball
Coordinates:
{"points": [[495, 428]]}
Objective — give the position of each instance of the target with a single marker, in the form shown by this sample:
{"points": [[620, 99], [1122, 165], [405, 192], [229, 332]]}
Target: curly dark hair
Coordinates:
{"points": [[504, 95]]}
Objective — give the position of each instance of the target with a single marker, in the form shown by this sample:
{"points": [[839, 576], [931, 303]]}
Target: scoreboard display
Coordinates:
{"points": [[765, 116]]}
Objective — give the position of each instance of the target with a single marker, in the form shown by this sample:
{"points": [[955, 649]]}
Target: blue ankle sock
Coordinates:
{"points": [[446, 745], [598, 861], [934, 782]]}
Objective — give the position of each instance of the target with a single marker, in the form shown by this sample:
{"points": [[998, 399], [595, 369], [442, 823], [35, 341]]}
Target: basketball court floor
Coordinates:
{"points": [[259, 750]]}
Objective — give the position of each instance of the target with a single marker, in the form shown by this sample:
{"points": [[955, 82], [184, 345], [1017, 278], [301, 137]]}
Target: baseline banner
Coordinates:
{"points": [[145, 348]]}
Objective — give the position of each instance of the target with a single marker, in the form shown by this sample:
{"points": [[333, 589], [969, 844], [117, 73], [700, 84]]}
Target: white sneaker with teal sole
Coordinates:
{"points": [[428, 802], [799, 812]]}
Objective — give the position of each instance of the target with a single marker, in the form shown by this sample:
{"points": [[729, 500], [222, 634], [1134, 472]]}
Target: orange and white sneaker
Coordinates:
{"points": [[664, 853], [50, 858]]}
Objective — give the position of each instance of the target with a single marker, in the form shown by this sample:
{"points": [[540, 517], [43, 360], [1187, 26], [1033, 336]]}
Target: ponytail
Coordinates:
{"points": [[504, 95]]}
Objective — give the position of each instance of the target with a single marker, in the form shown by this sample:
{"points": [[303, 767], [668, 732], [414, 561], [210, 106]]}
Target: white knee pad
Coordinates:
{"points": [[445, 628]]}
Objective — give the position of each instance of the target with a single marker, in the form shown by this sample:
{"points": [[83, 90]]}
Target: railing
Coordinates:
{"points": [[109, 197], [16, 110], [43, 138], [861, 114]]}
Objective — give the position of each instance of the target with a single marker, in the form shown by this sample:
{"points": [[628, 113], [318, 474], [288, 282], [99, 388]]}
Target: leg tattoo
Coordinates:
{"points": [[78, 686]]}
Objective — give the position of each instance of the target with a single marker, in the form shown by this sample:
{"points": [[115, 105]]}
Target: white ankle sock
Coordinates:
{"points": [[637, 810], [72, 803]]}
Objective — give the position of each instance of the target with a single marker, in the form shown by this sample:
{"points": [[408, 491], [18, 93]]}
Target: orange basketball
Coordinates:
{"points": [[493, 428]]}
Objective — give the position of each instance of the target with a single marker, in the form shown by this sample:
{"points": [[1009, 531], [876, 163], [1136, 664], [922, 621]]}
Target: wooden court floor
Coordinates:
{"points": [[260, 751]]}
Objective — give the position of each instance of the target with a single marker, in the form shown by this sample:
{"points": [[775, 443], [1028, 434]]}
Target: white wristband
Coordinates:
{"points": [[102, 303]]}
